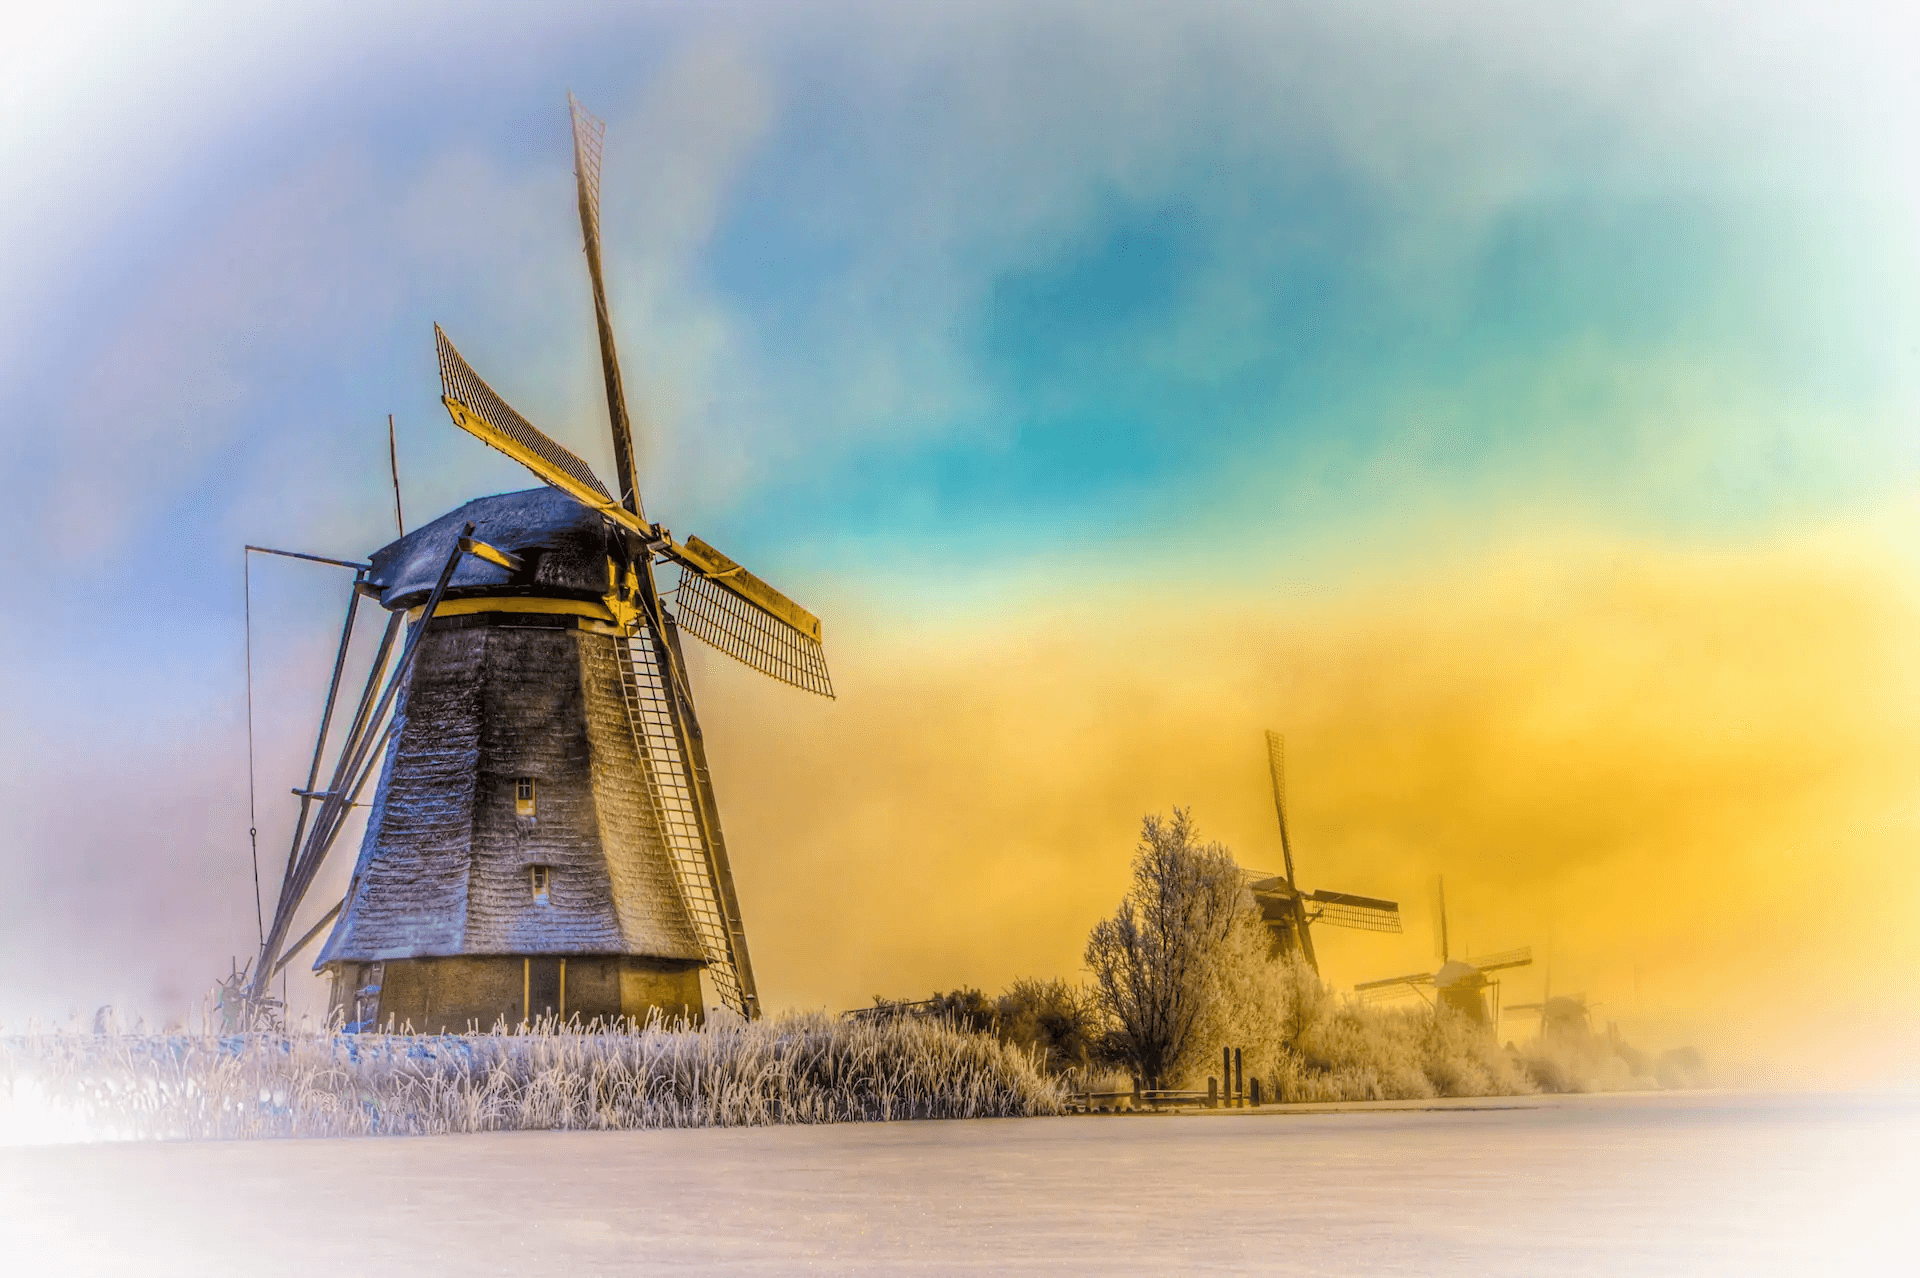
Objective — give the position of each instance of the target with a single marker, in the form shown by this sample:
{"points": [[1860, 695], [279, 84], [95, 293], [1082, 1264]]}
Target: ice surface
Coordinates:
{"points": [[1551, 1186]]}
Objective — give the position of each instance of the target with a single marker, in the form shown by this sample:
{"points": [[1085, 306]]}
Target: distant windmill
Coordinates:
{"points": [[1564, 1018], [1290, 913], [1567, 1017], [544, 836], [1461, 984]]}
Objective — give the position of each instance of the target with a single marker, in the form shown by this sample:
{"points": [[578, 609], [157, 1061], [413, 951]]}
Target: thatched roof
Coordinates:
{"points": [[564, 544]]}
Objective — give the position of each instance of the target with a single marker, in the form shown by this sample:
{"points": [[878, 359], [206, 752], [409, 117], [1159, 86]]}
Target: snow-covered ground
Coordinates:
{"points": [[1666, 1184]]}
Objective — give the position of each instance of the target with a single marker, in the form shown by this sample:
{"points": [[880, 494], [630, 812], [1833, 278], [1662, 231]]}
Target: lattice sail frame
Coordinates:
{"points": [[1392, 987], [1341, 909], [589, 143], [1521, 957], [479, 411], [718, 616]]}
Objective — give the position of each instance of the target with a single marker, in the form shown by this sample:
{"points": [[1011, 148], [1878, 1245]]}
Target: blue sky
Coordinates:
{"points": [[969, 311]]}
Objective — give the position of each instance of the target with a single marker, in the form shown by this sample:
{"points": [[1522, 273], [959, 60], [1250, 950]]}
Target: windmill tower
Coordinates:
{"points": [[544, 836], [1290, 913], [1565, 1020], [1462, 985]]}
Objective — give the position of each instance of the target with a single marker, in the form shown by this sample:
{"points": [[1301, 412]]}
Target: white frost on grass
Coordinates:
{"points": [[796, 1069]]}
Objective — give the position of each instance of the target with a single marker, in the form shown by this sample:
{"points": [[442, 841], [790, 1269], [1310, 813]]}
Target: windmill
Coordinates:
{"points": [[1461, 984], [1563, 1017], [544, 835], [1290, 913]]}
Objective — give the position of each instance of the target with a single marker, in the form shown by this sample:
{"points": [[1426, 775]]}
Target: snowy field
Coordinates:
{"points": [[1693, 1183]]}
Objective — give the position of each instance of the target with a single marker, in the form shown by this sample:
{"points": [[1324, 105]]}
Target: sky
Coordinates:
{"points": [[1513, 405]]}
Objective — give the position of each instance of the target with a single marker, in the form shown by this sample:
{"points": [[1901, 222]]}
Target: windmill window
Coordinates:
{"points": [[542, 879], [523, 796]]}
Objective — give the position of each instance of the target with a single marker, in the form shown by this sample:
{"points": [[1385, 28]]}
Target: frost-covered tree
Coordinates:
{"points": [[1155, 962]]}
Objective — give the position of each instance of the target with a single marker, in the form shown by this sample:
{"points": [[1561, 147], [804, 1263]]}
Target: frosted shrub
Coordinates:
{"points": [[1343, 1051], [797, 1069]]}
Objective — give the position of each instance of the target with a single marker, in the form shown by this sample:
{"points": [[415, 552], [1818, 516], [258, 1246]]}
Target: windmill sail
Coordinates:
{"points": [[476, 409], [723, 604], [1277, 767], [720, 602], [589, 136], [1504, 959], [1344, 909], [1392, 986]]}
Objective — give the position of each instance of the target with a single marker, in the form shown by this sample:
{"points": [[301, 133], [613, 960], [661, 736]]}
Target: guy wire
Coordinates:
{"points": [[253, 825]]}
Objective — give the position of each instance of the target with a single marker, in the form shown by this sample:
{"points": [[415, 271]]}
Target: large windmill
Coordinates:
{"points": [[1461, 984], [544, 837], [1289, 912]]}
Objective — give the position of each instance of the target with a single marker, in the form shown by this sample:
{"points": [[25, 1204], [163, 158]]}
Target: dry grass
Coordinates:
{"points": [[798, 1069]]}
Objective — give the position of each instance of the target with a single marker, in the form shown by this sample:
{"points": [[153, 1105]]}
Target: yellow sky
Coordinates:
{"points": [[1686, 773]]}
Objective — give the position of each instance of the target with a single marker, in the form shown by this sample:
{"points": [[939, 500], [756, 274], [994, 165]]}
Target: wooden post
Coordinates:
{"points": [[1239, 1080], [1256, 1091], [1136, 1091], [1226, 1074], [1213, 1092]]}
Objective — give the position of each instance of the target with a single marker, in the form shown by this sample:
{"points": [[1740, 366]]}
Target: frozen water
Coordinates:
{"points": [[1667, 1184]]}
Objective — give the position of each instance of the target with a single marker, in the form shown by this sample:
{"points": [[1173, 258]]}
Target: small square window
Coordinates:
{"points": [[523, 796], [542, 879]]}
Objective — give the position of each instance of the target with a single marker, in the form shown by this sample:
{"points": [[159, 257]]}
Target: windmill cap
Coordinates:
{"points": [[1457, 973], [563, 546]]}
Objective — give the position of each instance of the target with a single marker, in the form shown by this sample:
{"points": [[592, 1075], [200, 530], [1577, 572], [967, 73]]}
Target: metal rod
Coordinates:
{"points": [[360, 759], [326, 721], [318, 559], [374, 676], [327, 824], [340, 798], [303, 942], [355, 730], [393, 463], [253, 822]]}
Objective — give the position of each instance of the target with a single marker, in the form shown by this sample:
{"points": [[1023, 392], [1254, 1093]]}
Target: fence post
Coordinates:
{"points": [[1213, 1092], [1256, 1091], [1239, 1082], [1226, 1074], [1136, 1091]]}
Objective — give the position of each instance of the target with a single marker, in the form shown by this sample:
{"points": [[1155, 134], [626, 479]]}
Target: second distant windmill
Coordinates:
{"points": [[1461, 984], [1290, 913]]}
